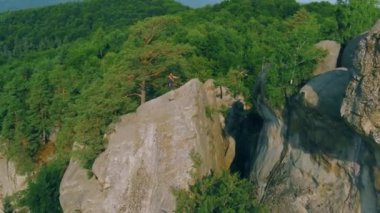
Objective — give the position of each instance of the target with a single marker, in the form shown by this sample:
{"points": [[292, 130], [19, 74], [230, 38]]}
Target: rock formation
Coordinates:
{"points": [[152, 151], [329, 62], [319, 154], [307, 156], [361, 107], [10, 181]]}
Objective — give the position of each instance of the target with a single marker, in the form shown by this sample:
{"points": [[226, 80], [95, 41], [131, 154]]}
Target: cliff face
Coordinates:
{"points": [[10, 181], [151, 151], [321, 153], [361, 107]]}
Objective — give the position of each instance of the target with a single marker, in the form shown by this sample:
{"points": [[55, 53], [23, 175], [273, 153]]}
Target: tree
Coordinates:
{"points": [[290, 69], [356, 16], [39, 101], [150, 51], [42, 194]]}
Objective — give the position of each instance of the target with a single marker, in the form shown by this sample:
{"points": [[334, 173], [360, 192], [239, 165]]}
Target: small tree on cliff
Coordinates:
{"points": [[290, 69], [150, 51]]}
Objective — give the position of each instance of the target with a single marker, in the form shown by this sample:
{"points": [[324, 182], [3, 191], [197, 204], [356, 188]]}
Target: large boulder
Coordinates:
{"points": [[329, 62], [152, 151], [325, 93], [307, 159], [10, 181], [320, 152], [361, 106]]}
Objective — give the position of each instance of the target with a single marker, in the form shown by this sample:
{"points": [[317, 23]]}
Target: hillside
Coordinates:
{"points": [[199, 3], [68, 71], [8, 5]]}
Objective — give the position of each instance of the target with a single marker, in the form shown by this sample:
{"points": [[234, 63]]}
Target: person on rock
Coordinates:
{"points": [[171, 79]]}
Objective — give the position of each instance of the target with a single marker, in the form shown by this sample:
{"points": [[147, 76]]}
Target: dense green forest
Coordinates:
{"points": [[7, 5], [70, 70]]}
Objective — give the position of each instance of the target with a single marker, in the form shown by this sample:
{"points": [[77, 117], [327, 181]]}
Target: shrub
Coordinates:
{"points": [[218, 193], [7, 206], [42, 194]]}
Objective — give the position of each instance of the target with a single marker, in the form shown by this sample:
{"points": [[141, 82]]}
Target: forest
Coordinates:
{"points": [[70, 70], [9, 5]]}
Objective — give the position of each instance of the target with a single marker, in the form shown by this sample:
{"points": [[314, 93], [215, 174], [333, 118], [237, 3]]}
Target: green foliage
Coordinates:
{"points": [[7, 206], [290, 69], [64, 76], [218, 193], [75, 68], [42, 194], [51, 27], [356, 16], [151, 54], [325, 13], [197, 162], [209, 112]]}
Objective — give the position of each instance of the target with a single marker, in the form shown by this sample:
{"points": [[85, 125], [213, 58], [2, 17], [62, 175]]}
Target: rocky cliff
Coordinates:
{"points": [[10, 181], [320, 154], [153, 150]]}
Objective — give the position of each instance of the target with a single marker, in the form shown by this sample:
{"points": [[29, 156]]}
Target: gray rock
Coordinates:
{"points": [[78, 192], [325, 92], [349, 53], [361, 106], [329, 62], [318, 154], [307, 158], [10, 181], [149, 152]]}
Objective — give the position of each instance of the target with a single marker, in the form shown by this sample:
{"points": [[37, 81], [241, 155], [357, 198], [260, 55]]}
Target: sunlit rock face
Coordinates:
{"points": [[329, 62], [320, 153], [152, 151], [10, 181], [361, 106]]}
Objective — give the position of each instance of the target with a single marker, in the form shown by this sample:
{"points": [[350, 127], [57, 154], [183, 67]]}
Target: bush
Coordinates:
{"points": [[7, 206], [218, 193], [42, 194]]}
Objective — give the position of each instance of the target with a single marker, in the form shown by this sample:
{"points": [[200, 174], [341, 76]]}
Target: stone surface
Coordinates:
{"points": [[78, 192], [10, 181], [149, 152], [325, 92], [361, 106], [329, 62], [320, 152], [306, 157]]}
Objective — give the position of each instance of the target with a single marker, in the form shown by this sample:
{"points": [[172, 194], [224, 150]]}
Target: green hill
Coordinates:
{"points": [[9, 5]]}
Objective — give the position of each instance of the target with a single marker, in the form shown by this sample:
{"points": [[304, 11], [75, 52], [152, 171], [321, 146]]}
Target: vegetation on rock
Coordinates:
{"points": [[73, 69], [218, 193]]}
